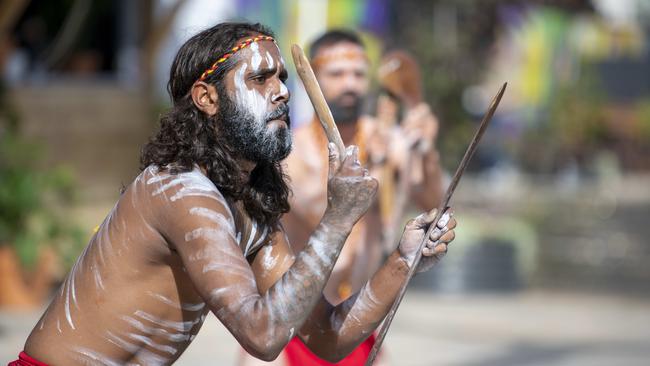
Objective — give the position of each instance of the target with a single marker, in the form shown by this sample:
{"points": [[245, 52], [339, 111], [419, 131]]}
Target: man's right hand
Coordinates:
{"points": [[350, 189]]}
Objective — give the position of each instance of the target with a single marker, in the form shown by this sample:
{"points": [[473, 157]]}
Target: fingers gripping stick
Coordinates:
{"points": [[323, 112]]}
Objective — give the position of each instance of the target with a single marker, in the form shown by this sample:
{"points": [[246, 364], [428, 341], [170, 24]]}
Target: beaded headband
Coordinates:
{"points": [[232, 51]]}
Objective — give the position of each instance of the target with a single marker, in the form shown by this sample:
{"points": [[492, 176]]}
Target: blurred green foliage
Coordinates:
{"points": [[33, 199], [573, 127]]}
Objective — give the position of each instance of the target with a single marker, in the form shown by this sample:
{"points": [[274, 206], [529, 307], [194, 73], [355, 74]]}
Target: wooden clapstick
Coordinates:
{"points": [[323, 112], [399, 73]]}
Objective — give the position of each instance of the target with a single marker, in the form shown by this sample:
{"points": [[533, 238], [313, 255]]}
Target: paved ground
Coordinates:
{"points": [[532, 328]]}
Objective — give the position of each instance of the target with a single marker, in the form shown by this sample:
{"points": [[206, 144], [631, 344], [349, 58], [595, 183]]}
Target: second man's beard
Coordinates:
{"points": [[251, 138], [345, 114]]}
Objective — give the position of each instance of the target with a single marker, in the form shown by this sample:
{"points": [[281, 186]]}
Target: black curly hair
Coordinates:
{"points": [[188, 136]]}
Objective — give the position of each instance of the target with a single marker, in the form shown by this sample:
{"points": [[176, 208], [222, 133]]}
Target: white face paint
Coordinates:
{"points": [[256, 60], [250, 99], [269, 59]]}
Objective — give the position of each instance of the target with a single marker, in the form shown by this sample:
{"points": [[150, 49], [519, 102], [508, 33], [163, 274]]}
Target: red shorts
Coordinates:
{"points": [[297, 354], [25, 360]]}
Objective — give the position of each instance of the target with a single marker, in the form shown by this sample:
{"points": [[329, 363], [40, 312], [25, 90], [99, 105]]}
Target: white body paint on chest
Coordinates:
{"points": [[182, 306]]}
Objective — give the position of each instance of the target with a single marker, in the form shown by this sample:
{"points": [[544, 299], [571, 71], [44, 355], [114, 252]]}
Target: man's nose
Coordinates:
{"points": [[282, 94], [352, 82]]}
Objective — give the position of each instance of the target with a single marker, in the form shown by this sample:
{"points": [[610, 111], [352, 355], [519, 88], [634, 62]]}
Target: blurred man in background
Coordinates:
{"points": [[342, 67]]}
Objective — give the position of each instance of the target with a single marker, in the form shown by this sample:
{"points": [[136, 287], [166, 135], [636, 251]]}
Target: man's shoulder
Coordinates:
{"points": [[174, 185]]}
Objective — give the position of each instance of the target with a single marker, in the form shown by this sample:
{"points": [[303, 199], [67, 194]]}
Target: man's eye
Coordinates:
{"points": [[259, 79], [336, 74]]}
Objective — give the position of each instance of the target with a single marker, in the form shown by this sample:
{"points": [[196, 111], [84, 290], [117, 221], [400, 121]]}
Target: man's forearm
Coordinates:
{"points": [[300, 288], [276, 316], [332, 332]]}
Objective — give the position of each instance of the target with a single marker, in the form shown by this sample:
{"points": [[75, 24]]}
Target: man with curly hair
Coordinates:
{"points": [[198, 230]]}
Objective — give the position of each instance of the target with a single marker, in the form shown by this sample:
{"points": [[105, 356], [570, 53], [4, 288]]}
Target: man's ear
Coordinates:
{"points": [[205, 98]]}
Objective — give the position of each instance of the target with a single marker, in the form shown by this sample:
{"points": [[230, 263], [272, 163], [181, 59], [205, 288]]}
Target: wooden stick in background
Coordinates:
{"points": [[323, 112]]}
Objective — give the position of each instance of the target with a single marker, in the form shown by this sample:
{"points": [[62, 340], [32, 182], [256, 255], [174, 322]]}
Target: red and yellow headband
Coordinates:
{"points": [[232, 51]]}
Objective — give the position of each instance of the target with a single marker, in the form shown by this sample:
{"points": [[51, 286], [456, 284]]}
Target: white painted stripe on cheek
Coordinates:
{"points": [[269, 59], [250, 99]]}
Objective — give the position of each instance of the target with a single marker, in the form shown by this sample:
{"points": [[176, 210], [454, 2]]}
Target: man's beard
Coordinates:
{"points": [[251, 138], [345, 114]]}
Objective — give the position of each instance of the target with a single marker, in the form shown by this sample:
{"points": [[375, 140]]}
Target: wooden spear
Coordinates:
{"points": [[441, 209]]}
